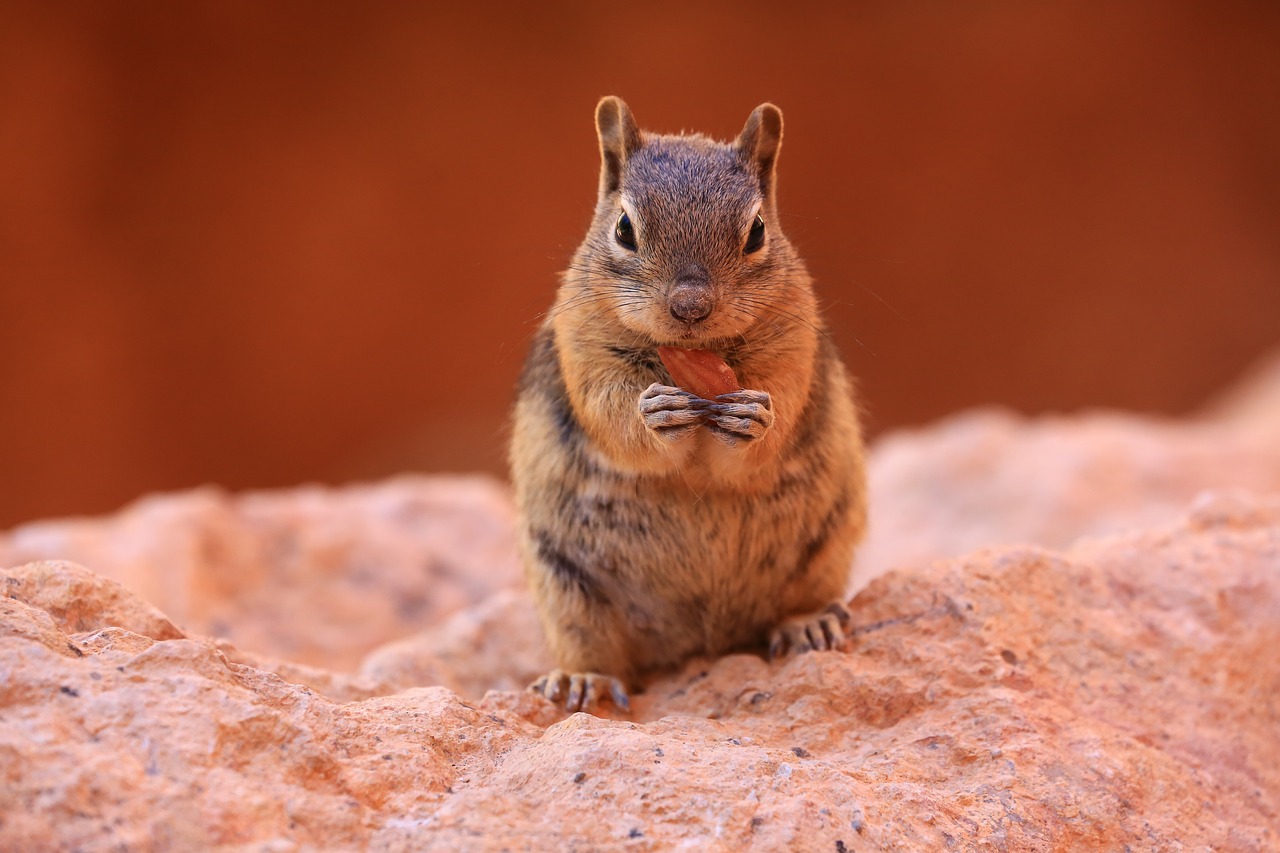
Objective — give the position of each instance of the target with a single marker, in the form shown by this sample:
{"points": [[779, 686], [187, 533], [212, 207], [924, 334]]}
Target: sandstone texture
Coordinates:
{"points": [[1064, 638], [318, 576], [988, 477]]}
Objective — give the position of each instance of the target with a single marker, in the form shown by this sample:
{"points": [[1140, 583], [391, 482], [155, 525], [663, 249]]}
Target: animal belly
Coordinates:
{"points": [[700, 582]]}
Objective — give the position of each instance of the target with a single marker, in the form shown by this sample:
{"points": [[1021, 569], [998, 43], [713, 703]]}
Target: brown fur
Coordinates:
{"points": [[645, 545]]}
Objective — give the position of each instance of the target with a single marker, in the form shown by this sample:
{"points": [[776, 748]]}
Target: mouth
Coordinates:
{"points": [[710, 334], [723, 347], [697, 335], [689, 340]]}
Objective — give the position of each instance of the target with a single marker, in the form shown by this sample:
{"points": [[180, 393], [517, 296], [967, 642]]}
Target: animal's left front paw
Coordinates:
{"points": [[821, 631], [740, 416]]}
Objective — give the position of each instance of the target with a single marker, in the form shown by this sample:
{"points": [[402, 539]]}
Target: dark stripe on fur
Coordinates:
{"points": [[833, 519], [542, 377], [595, 513], [643, 359], [569, 572]]}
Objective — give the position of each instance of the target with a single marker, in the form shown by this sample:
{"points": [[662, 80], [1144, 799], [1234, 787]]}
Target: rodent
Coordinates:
{"points": [[654, 525]]}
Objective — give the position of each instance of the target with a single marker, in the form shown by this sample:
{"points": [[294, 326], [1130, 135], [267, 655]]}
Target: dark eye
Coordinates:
{"points": [[755, 237], [625, 234]]}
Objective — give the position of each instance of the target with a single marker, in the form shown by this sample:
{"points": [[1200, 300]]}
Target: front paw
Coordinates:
{"points": [[671, 413], [740, 416]]}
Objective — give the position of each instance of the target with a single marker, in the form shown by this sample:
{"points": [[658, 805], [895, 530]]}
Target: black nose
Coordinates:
{"points": [[691, 299]]}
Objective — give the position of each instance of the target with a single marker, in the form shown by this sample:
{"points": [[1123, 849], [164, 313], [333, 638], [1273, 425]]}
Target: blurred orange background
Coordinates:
{"points": [[257, 244]]}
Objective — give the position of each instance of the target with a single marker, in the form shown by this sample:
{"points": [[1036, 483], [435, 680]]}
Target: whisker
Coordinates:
{"points": [[787, 313], [882, 301]]}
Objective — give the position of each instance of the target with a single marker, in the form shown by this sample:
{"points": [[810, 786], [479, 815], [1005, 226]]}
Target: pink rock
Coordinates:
{"points": [[318, 576], [82, 601], [989, 477], [496, 645]]}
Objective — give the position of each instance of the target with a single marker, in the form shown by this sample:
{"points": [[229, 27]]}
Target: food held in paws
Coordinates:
{"points": [[699, 371]]}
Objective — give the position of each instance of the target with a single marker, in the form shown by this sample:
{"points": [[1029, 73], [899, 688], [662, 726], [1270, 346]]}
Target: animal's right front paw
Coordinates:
{"points": [[671, 413], [581, 690]]}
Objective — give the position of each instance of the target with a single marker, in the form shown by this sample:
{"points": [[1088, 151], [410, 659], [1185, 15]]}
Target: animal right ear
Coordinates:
{"points": [[619, 138], [759, 143]]}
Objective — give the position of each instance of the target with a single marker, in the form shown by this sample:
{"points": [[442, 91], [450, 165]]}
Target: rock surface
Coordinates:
{"points": [[318, 576], [242, 671], [988, 477]]}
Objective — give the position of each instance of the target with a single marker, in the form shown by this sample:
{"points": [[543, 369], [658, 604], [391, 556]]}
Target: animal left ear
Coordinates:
{"points": [[619, 139], [759, 142]]}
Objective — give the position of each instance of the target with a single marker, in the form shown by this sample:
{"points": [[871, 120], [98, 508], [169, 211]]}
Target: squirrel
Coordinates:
{"points": [[656, 525]]}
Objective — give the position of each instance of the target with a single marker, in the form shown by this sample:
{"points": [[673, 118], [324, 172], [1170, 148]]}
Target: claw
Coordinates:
{"points": [[761, 398], [842, 614], [830, 629], [553, 685], [576, 688], [618, 693]]}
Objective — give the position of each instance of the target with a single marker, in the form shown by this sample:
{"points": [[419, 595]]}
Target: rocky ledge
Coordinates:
{"points": [[243, 671]]}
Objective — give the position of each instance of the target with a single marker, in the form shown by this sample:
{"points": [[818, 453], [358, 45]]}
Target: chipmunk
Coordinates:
{"points": [[657, 525]]}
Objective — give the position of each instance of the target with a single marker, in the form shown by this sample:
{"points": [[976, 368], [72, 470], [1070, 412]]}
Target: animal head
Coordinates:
{"points": [[685, 247]]}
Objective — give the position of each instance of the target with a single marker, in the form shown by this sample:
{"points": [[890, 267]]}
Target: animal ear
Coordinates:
{"points": [[759, 142], [619, 138]]}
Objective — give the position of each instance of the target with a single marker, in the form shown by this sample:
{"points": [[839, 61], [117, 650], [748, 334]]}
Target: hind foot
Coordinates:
{"points": [[821, 631], [581, 690]]}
